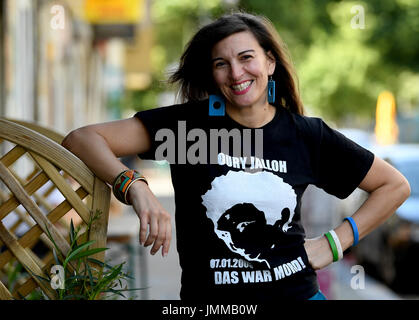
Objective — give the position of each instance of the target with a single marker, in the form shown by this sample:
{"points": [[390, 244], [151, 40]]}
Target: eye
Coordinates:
{"points": [[246, 57], [219, 64]]}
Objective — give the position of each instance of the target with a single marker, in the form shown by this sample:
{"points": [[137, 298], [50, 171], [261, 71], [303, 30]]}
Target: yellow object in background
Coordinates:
{"points": [[114, 11], [386, 129]]}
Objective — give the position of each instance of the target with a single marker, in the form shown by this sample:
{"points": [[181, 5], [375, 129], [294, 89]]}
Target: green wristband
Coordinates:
{"points": [[333, 246]]}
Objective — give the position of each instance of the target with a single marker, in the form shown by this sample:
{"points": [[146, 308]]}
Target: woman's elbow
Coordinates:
{"points": [[402, 190], [405, 189], [73, 140]]}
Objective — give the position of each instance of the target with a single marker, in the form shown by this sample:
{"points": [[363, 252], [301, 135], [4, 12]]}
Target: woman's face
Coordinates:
{"points": [[241, 68]]}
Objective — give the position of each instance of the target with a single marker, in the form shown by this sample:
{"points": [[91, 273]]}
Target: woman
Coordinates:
{"points": [[239, 234]]}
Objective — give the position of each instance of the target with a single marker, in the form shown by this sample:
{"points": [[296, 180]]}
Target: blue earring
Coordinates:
{"points": [[217, 105], [271, 90]]}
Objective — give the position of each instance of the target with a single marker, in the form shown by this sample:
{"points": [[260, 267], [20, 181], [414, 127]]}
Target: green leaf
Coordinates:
{"points": [[77, 278], [72, 233], [75, 252], [41, 278], [54, 252], [97, 278], [106, 280], [89, 271], [117, 292], [13, 274], [87, 253], [100, 263], [52, 240]]}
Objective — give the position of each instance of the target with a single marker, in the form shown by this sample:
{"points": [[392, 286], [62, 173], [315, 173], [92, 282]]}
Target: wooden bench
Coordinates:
{"points": [[33, 165]]}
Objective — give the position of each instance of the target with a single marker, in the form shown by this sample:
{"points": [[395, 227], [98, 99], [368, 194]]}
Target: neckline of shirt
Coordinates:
{"points": [[265, 126]]}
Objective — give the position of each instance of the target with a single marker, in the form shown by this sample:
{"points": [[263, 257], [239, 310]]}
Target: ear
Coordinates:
{"points": [[271, 62]]}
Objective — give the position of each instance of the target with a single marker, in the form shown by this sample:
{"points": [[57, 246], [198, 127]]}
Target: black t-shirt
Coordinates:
{"points": [[238, 226]]}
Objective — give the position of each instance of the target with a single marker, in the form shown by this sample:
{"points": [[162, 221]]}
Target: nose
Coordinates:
{"points": [[236, 71]]}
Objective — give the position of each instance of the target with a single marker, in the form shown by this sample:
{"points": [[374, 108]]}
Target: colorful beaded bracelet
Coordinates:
{"points": [[123, 182]]}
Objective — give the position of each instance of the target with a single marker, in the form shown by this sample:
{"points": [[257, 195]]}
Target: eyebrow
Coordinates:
{"points": [[240, 53]]}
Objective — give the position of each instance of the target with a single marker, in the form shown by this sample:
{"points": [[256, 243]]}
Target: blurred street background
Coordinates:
{"points": [[65, 64]]}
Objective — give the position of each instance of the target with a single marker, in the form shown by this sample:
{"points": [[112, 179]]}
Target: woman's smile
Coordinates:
{"points": [[241, 68], [242, 88]]}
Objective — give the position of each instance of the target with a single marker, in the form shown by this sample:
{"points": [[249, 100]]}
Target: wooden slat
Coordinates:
{"points": [[20, 194], [39, 199], [30, 188], [63, 186], [29, 285], [32, 174], [4, 293], [52, 151], [42, 202], [24, 258], [35, 258], [99, 229], [49, 190], [14, 154], [3, 196], [32, 235], [57, 137], [25, 288], [52, 158], [24, 217]]}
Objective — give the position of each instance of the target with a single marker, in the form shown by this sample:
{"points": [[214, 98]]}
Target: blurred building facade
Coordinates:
{"points": [[64, 63]]}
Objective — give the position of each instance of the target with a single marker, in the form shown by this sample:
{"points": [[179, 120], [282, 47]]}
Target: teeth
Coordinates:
{"points": [[241, 86]]}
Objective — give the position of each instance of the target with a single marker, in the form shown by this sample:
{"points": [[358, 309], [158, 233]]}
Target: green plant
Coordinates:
{"points": [[86, 278], [13, 270], [15, 274]]}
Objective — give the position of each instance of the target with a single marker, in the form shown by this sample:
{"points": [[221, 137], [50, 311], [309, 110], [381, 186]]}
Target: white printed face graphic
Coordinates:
{"points": [[249, 211]]}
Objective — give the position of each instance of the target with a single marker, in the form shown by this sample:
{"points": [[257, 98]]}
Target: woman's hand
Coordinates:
{"points": [[98, 146], [152, 213], [318, 252]]}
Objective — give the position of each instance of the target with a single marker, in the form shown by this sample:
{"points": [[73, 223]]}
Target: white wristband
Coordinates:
{"points": [[337, 242]]}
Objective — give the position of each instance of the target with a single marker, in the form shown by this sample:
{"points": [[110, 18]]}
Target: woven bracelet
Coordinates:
{"points": [[123, 182]]}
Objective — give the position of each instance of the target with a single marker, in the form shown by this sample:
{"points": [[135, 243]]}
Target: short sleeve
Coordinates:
{"points": [[342, 164], [157, 119]]}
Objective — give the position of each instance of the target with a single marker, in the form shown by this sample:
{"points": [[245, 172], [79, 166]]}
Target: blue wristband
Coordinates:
{"points": [[354, 229]]}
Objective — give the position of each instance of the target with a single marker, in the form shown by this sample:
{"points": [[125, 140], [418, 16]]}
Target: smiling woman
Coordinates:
{"points": [[235, 50], [243, 210], [241, 69]]}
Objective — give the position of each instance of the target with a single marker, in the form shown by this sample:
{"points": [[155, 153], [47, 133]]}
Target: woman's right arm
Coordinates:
{"points": [[99, 146]]}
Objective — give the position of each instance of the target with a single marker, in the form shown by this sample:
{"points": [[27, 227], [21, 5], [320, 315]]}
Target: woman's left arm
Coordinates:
{"points": [[387, 189]]}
